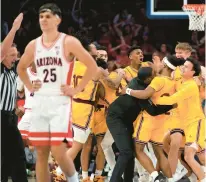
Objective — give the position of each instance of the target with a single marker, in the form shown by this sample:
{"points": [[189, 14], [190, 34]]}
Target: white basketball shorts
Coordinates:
{"points": [[81, 135], [24, 124], [50, 120]]}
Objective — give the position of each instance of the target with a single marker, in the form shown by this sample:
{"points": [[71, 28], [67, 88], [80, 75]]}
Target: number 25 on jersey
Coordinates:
{"points": [[50, 75]]}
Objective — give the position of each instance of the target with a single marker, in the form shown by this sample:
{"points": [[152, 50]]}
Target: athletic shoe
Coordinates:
{"points": [[180, 173], [144, 177], [160, 178], [193, 177]]}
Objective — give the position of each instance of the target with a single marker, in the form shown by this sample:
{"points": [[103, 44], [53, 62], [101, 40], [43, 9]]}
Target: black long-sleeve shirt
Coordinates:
{"points": [[128, 108]]}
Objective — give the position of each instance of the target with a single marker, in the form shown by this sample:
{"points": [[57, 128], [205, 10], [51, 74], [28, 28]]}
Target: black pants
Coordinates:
{"points": [[12, 150], [122, 134]]}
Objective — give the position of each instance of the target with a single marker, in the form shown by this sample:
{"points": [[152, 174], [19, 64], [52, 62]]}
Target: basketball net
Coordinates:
{"points": [[197, 16]]}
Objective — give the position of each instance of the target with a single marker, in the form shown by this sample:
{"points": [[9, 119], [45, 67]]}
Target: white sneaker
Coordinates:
{"points": [[180, 173], [144, 177], [193, 178], [135, 178], [109, 173], [107, 168], [170, 180]]}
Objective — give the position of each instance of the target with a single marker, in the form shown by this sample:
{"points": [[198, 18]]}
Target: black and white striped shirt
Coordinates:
{"points": [[8, 88]]}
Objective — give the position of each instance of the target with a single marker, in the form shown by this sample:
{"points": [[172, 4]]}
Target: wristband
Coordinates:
{"points": [[128, 91]]}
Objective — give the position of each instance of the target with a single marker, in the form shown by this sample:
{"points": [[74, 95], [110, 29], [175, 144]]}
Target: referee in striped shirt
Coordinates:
{"points": [[12, 151]]}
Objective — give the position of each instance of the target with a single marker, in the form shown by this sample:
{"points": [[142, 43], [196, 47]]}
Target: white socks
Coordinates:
{"points": [[154, 174], [179, 165], [73, 178], [151, 154], [170, 180], [84, 174], [192, 177], [98, 172], [110, 157], [140, 168], [107, 149]]}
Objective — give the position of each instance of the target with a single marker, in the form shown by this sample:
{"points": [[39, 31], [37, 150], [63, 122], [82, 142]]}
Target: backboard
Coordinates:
{"points": [[169, 9]]}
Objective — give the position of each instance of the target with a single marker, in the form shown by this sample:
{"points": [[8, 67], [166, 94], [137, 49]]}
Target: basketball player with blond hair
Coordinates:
{"points": [[188, 99]]}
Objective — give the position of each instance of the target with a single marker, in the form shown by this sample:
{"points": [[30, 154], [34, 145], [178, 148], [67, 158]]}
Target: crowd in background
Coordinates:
{"points": [[117, 25]]}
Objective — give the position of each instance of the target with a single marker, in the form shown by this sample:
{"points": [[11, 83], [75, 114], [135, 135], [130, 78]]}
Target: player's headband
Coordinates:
{"points": [[58, 14], [166, 61]]}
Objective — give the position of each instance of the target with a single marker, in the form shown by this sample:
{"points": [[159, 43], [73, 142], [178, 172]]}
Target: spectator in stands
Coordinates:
{"points": [[147, 47], [164, 50], [123, 17]]}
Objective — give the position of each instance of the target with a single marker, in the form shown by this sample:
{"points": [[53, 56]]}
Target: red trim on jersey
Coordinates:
{"points": [[24, 137], [70, 72], [43, 135], [49, 141], [39, 134], [48, 48], [70, 131], [63, 50], [33, 73], [24, 134], [58, 134], [40, 142], [56, 142]]}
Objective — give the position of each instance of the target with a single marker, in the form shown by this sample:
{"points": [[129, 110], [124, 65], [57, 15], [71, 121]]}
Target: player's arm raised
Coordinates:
{"points": [[75, 47], [7, 42], [25, 61], [114, 81]]}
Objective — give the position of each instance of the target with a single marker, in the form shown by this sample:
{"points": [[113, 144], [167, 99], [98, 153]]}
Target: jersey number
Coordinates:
{"points": [[51, 73], [76, 80]]}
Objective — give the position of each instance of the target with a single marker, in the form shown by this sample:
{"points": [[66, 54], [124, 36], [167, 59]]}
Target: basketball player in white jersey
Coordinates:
{"points": [[53, 53], [25, 121]]}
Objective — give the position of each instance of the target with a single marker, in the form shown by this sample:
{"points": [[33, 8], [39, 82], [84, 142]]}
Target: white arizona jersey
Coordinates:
{"points": [[20, 87], [52, 67]]}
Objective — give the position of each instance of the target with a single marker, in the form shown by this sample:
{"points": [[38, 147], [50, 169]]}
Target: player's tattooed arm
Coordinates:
{"points": [[101, 74], [114, 83]]}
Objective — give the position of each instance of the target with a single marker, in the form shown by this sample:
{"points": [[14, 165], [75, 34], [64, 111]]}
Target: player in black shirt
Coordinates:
{"points": [[120, 117]]}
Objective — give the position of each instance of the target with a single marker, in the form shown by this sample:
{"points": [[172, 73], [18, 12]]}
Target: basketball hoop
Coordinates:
{"points": [[197, 15]]}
